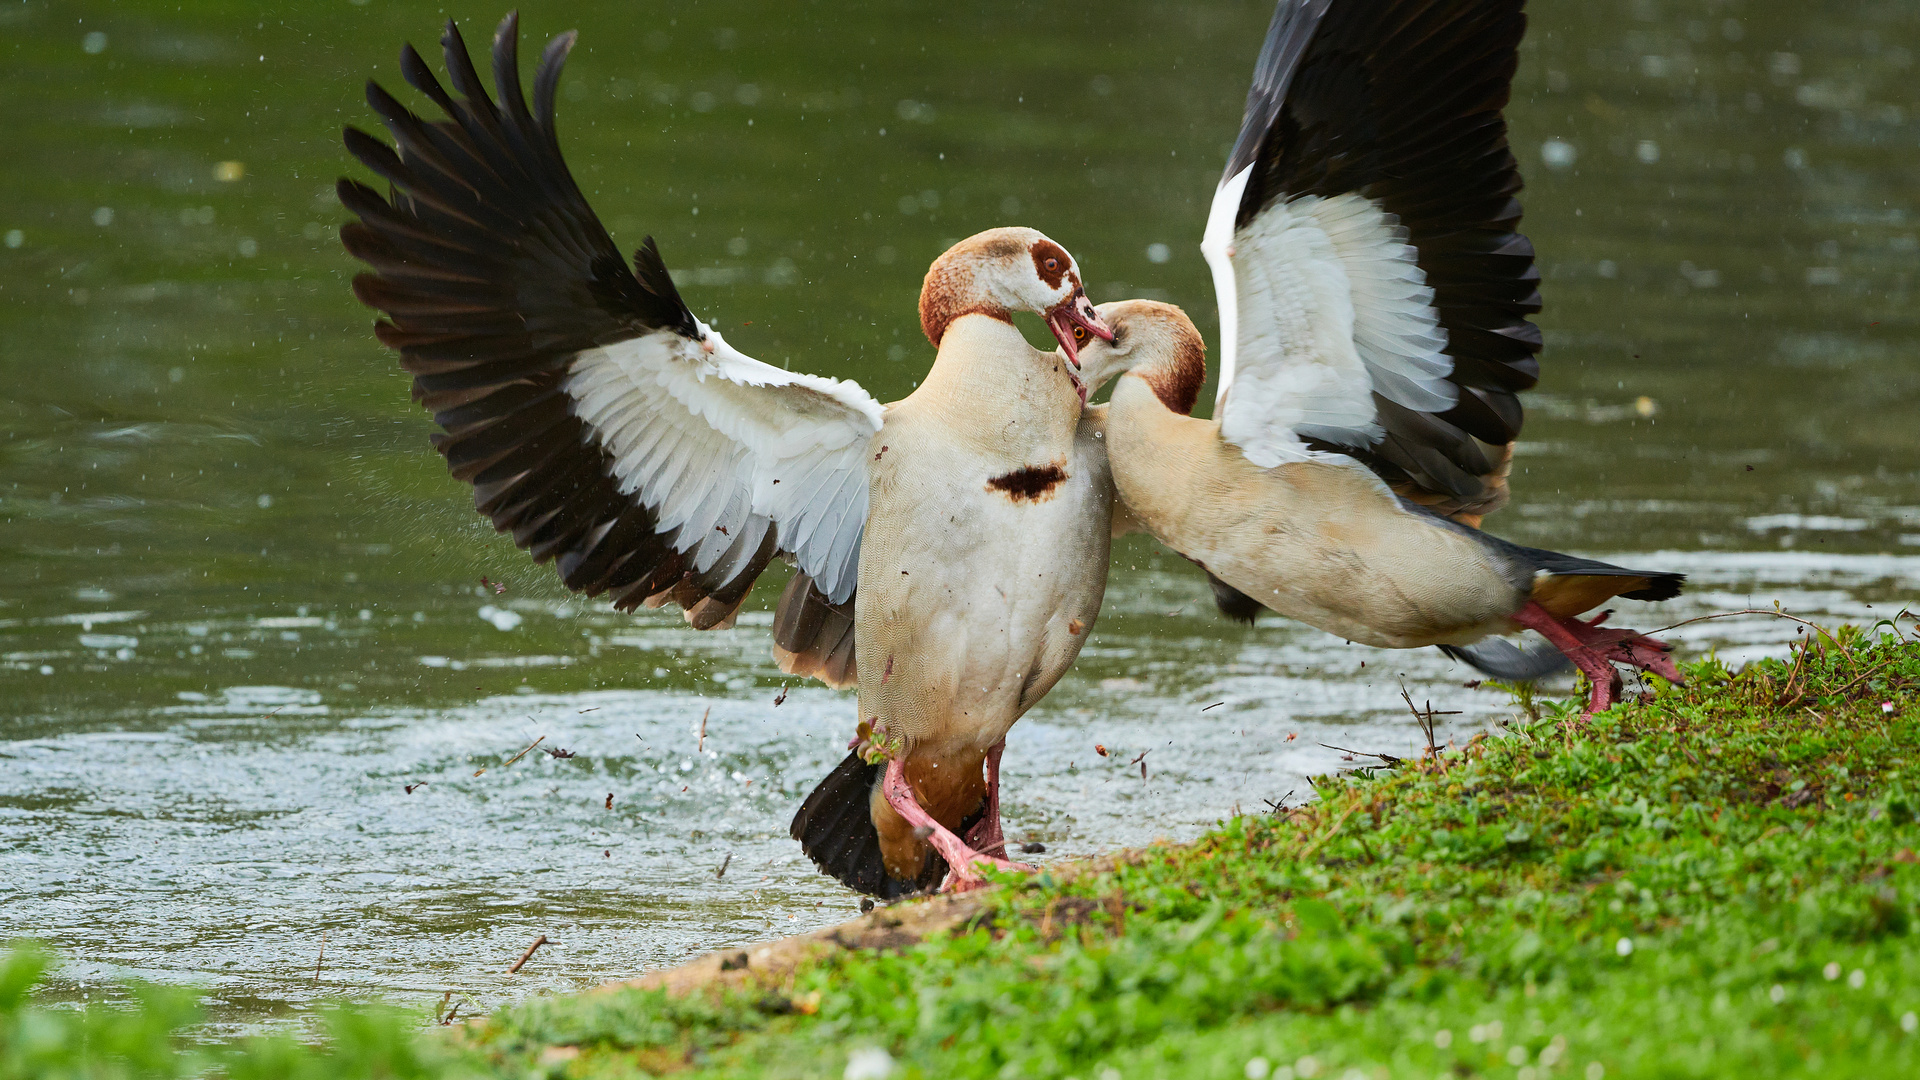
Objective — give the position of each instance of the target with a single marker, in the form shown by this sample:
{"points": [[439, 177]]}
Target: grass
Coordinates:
{"points": [[1719, 881]]}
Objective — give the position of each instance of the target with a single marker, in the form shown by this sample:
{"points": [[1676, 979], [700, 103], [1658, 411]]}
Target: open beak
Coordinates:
{"points": [[1072, 321]]}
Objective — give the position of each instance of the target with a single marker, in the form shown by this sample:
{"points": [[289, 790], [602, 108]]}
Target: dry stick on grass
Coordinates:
{"points": [[1388, 758], [1425, 719], [1871, 672], [517, 756], [1793, 676], [1745, 611], [528, 955], [703, 729], [1329, 834]]}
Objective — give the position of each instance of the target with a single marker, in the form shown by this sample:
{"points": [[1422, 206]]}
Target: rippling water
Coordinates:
{"points": [[242, 609]]}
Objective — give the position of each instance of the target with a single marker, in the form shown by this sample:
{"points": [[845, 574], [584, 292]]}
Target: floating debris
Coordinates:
{"points": [[515, 757], [528, 955]]}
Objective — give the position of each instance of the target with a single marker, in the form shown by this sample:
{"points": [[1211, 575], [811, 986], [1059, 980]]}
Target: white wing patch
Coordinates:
{"points": [[1322, 304], [724, 447]]}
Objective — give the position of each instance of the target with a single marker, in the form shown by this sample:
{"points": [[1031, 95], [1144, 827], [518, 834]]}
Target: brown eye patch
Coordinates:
{"points": [[1050, 260]]}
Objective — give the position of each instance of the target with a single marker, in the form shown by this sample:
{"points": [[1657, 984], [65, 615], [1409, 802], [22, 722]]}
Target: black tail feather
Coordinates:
{"points": [[1661, 584], [1233, 603], [835, 830], [1504, 660]]}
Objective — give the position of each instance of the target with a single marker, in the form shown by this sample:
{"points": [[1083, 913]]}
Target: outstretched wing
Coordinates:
{"points": [[598, 421], [1373, 289]]}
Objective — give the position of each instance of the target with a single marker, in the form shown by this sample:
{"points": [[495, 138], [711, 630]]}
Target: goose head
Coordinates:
{"points": [[1001, 271], [1154, 341]]}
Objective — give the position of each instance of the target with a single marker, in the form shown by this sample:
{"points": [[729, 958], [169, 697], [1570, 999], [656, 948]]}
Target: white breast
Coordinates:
{"points": [[974, 601]]}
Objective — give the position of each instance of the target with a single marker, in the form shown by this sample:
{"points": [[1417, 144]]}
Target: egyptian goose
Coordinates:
{"points": [[1373, 298], [618, 436]]}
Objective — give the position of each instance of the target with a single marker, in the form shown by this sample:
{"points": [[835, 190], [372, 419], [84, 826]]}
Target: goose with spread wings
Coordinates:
{"points": [[1374, 291], [614, 434]]}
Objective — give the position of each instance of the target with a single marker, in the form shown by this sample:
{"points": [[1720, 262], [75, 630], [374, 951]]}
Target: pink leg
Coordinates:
{"points": [[985, 836], [1595, 651], [960, 858]]}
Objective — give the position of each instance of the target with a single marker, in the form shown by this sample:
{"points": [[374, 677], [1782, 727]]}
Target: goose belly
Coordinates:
{"points": [[1387, 579], [1321, 542], [974, 600]]}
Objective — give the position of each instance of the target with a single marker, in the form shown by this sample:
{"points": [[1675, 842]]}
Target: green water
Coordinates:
{"points": [[241, 606]]}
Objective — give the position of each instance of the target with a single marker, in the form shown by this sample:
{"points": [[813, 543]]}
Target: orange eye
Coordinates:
{"points": [[1079, 335], [1053, 264]]}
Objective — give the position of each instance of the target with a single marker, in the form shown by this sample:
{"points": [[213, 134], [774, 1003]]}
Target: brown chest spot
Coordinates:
{"points": [[1035, 483]]}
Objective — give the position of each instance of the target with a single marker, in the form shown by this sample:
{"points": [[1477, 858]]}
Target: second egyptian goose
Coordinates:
{"points": [[1373, 296], [618, 436]]}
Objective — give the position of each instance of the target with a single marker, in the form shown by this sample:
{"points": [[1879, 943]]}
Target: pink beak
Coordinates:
{"points": [[1074, 318]]}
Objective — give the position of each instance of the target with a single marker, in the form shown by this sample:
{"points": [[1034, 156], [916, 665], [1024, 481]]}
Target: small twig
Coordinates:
{"points": [[1871, 672], [1744, 611], [1274, 807], [724, 863], [1424, 717], [1793, 676], [1388, 758], [528, 955], [517, 756], [322, 960], [703, 728], [1329, 834], [1215, 705]]}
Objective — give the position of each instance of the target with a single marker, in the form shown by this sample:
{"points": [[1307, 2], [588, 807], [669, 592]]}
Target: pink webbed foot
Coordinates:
{"points": [[1595, 651], [961, 859]]}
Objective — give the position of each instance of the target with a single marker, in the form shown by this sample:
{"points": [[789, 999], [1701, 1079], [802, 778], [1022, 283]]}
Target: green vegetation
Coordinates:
{"points": [[1719, 881]]}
